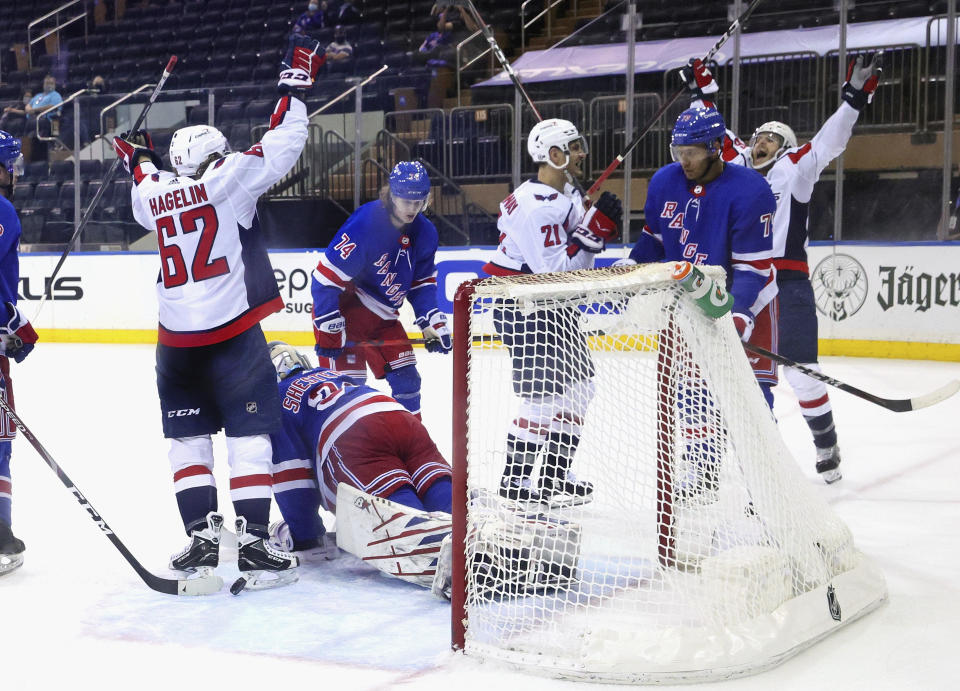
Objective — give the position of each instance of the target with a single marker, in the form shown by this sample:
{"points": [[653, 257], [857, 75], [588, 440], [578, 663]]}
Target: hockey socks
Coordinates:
{"points": [[555, 476], [521, 457], [438, 496], [194, 504], [824, 432], [257, 514]]}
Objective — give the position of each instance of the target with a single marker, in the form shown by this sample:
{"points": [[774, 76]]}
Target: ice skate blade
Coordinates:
{"points": [[564, 501], [831, 476], [263, 580], [10, 562]]}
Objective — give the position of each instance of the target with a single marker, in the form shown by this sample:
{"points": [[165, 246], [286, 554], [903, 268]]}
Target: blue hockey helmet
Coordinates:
{"points": [[10, 156], [698, 126], [409, 180]]}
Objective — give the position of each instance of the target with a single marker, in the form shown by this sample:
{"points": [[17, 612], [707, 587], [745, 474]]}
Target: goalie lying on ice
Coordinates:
{"points": [[336, 432]]}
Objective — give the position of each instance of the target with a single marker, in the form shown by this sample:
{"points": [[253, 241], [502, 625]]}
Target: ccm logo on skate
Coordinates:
{"points": [[183, 412]]}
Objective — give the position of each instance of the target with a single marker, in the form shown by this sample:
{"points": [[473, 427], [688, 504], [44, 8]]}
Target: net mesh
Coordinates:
{"points": [[673, 529]]}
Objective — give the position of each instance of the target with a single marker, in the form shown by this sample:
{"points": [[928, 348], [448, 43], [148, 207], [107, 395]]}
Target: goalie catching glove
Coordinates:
{"points": [[600, 225], [329, 332], [130, 146], [862, 81], [436, 333], [301, 64], [700, 82], [16, 334]]}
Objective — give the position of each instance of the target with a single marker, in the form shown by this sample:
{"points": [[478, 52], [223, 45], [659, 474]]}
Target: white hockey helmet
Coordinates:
{"points": [[287, 359], [788, 140], [191, 146], [550, 133]]}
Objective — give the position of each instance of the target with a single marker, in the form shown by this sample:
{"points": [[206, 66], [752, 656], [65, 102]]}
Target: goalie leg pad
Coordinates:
{"points": [[395, 539]]}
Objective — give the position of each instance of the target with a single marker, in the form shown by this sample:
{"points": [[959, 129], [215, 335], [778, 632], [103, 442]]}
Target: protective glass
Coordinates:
{"points": [[16, 166]]}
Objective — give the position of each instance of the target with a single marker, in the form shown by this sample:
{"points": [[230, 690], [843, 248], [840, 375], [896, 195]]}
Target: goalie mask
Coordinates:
{"points": [[191, 147], [553, 133], [287, 360], [769, 142]]}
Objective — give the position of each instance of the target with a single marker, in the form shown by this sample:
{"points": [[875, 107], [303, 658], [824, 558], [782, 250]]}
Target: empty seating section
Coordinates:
{"points": [[232, 48]]}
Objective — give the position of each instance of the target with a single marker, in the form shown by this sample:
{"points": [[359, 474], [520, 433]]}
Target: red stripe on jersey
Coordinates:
{"points": [[334, 423], [423, 281], [283, 106], [191, 471], [6, 487], [799, 153], [250, 481], [816, 403], [293, 474], [791, 265], [237, 326], [495, 270], [762, 264], [138, 175], [331, 276]]}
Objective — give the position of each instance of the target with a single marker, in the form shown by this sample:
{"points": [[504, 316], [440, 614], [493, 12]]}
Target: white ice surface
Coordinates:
{"points": [[75, 615]]}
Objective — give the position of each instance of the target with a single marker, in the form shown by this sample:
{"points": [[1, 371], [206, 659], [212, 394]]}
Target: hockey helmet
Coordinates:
{"points": [[191, 146], [554, 132], [698, 126], [409, 180], [788, 140], [286, 359], [10, 156]]}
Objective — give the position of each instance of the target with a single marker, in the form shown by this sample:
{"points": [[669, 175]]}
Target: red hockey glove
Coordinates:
{"points": [[16, 334], [862, 81], [600, 225], [436, 333], [330, 334], [130, 154], [699, 80], [744, 324], [301, 64]]}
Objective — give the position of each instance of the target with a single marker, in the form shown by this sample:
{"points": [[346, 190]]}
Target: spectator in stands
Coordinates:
{"points": [[39, 105], [98, 84], [14, 117], [339, 51], [314, 18]]}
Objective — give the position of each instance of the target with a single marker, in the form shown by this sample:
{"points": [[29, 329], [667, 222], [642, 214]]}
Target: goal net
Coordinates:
{"points": [[697, 550]]}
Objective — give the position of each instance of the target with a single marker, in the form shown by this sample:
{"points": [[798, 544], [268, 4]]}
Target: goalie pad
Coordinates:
{"points": [[515, 552], [393, 538]]}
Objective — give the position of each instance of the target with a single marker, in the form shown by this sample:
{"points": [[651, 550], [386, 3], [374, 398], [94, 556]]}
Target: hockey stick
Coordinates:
{"points": [[107, 179], [897, 405], [669, 102], [202, 585]]}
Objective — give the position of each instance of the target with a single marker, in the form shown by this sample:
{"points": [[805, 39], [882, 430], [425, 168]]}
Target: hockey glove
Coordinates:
{"points": [[744, 324], [699, 80], [436, 334], [131, 154], [330, 334], [301, 64], [600, 224], [16, 334], [861, 81]]}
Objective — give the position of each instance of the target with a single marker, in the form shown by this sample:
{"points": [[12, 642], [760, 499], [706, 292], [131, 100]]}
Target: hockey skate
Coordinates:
{"points": [[202, 555], [518, 489], [828, 464], [11, 550], [323, 548], [261, 566], [564, 489]]}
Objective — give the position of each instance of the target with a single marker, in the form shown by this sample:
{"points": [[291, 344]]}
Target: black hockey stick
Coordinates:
{"points": [[201, 585], [107, 179], [897, 405], [669, 102]]}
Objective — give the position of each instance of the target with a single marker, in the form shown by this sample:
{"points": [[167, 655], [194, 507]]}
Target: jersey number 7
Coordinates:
{"points": [[174, 268]]}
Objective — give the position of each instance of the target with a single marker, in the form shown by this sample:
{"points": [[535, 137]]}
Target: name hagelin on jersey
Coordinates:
{"points": [[839, 286]]}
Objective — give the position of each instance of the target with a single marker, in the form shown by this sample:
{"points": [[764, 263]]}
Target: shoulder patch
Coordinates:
{"points": [[799, 153], [1, 229], [546, 197], [255, 150]]}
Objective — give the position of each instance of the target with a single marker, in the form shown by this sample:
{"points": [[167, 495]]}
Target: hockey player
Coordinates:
{"points": [[16, 338], [342, 433], [215, 285], [791, 172], [544, 227], [382, 255]]}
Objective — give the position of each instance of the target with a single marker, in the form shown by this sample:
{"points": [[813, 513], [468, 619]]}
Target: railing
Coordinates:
{"points": [[894, 102], [476, 43], [547, 11], [480, 143], [56, 29]]}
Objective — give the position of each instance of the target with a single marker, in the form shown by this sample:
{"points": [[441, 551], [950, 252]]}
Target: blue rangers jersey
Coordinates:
{"points": [[9, 248], [727, 222], [319, 406], [383, 263], [216, 280]]}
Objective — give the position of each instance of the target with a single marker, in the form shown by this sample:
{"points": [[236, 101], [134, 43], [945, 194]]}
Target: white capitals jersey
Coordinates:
{"points": [[215, 278], [791, 178], [535, 221]]}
